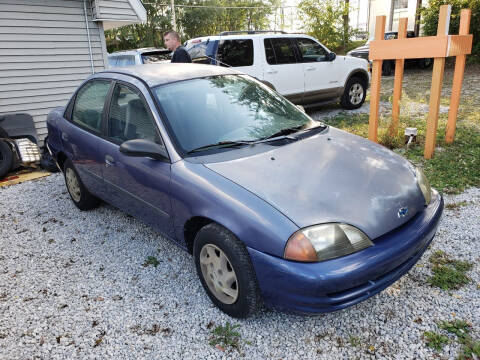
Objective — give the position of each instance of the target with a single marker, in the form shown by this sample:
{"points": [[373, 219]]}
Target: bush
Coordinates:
{"points": [[430, 21]]}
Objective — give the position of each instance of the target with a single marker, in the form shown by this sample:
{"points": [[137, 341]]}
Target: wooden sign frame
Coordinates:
{"points": [[439, 47]]}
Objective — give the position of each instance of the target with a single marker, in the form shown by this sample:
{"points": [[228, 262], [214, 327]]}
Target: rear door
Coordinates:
{"points": [[282, 69], [239, 54], [137, 185], [80, 135]]}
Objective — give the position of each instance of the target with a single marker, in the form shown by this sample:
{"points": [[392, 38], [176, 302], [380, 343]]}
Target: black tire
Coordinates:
{"points": [[387, 68], [350, 101], [80, 196], [249, 298], [6, 158], [425, 63]]}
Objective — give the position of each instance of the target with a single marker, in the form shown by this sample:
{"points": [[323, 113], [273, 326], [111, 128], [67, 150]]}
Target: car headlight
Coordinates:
{"points": [[326, 241], [424, 185]]}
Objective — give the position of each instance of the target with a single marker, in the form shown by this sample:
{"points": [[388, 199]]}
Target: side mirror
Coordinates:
{"points": [[331, 56], [144, 148], [301, 108]]}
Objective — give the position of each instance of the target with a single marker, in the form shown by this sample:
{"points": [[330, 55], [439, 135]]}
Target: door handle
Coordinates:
{"points": [[272, 71], [310, 68], [109, 161], [64, 137]]}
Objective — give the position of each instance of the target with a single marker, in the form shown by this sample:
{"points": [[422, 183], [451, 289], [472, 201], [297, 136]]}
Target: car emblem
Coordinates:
{"points": [[402, 212]]}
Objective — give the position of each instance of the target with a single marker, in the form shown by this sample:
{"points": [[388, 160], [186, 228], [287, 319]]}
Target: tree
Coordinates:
{"points": [[325, 20], [149, 34], [430, 21]]}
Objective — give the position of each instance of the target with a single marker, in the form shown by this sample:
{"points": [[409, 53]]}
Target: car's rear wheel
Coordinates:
{"points": [[79, 194], [6, 158], [226, 272], [354, 93]]}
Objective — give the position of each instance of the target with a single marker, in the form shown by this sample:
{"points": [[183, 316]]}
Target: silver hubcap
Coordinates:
{"points": [[356, 94], [219, 274], [72, 185]]}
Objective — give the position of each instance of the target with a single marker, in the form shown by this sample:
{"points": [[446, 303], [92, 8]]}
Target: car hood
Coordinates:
{"points": [[333, 176], [361, 49]]}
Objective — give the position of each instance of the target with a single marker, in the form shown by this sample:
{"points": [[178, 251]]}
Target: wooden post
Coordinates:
{"points": [[436, 88], [397, 84], [375, 83], [465, 17]]}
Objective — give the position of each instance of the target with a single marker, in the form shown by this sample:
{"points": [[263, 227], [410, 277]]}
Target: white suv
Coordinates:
{"points": [[295, 65]]}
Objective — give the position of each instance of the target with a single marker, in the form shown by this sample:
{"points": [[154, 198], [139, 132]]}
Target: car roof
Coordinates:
{"points": [[164, 73], [248, 36], [138, 51]]}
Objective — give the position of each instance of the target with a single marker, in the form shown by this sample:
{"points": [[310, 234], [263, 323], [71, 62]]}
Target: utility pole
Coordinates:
{"points": [[346, 9], [417, 18], [390, 19], [174, 22]]}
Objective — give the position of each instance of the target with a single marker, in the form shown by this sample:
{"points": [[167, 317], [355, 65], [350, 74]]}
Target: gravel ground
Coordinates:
{"points": [[73, 285]]}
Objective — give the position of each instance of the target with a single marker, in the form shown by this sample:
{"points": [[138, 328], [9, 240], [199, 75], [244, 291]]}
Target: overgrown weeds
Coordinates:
{"points": [[448, 273]]}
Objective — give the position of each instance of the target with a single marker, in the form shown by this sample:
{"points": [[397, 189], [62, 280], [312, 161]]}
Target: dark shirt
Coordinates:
{"points": [[181, 56]]}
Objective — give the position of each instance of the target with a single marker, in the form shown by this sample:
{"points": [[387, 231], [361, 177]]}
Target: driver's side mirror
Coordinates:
{"points": [[144, 148], [331, 56]]}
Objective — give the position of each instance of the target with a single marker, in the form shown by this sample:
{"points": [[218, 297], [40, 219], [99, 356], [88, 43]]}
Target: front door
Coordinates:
{"points": [[322, 76], [137, 185]]}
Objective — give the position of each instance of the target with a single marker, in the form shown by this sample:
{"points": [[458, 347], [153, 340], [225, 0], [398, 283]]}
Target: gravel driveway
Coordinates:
{"points": [[75, 285]]}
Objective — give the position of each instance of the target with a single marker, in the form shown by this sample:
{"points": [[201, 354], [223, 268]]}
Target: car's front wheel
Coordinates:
{"points": [[354, 93], [226, 272], [79, 194]]}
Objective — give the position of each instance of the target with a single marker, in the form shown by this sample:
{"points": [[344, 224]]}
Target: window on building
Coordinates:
{"points": [[400, 4]]}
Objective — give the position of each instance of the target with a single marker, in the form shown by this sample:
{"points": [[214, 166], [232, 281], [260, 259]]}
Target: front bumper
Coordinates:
{"points": [[338, 283]]}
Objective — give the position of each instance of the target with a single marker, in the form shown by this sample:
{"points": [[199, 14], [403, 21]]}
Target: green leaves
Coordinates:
{"points": [[324, 20], [225, 336]]}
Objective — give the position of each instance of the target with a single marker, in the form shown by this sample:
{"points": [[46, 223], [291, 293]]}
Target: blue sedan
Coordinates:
{"points": [[275, 207]]}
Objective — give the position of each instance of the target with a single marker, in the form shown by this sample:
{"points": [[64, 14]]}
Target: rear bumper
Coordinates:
{"points": [[338, 283]]}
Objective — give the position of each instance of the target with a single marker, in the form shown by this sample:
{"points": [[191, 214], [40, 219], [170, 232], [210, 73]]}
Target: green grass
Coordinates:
{"points": [[225, 336], [435, 340], [455, 206], [448, 273], [461, 329], [151, 260]]}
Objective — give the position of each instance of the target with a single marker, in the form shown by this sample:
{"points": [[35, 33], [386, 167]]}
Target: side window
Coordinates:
{"points": [[88, 108], [311, 50], [269, 54], [284, 51], [125, 60], [129, 117], [112, 61], [236, 52]]}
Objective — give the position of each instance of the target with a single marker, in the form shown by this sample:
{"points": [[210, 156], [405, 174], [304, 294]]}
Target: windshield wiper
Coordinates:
{"points": [[221, 144]]}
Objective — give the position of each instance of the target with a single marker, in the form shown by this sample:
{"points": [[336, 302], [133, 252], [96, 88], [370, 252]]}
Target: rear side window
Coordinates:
{"points": [[311, 50], [129, 117], [112, 61], [155, 57], [88, 108], [283, 50], [235, 52], [125, 60]]}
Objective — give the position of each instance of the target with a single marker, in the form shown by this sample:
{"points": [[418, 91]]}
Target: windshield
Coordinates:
{"points": [[228, 108]]}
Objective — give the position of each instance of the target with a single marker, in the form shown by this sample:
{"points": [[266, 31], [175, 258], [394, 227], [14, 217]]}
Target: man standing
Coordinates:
{"points": [[172, 42]]}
